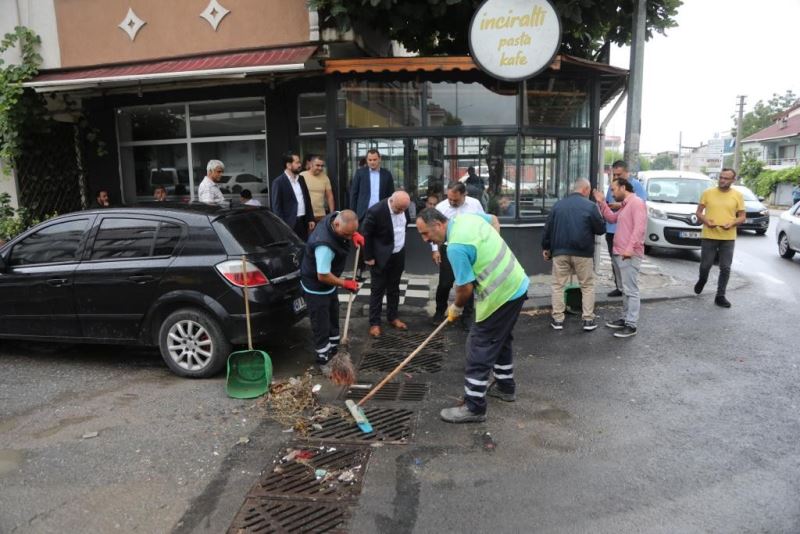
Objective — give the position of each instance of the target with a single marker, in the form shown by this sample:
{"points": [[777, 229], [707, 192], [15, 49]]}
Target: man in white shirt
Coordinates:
{"points": [[456, 203], [208, 191], [290, 198], [384, 251], [247, 199]]}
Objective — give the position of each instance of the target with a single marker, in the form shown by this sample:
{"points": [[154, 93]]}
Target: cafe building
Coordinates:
{"points": [[251, 80]]}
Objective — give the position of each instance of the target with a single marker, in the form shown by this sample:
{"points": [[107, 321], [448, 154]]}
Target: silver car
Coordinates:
{"points": [[788, 232]]}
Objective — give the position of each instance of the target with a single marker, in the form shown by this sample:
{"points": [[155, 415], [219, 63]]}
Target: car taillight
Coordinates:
{"points": [[232, 271]]}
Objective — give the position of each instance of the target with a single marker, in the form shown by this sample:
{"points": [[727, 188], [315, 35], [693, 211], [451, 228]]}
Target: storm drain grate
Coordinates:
{"points": [[404, 341], [387, 361], [389, 425], [265, 515], [329, 473], [402, 391]]}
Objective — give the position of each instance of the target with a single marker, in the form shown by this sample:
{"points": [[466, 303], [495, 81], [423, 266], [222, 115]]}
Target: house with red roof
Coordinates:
{"points": [[778, 145]]}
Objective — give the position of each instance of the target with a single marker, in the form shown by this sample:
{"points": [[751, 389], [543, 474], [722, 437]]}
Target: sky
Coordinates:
{"points": [[692, 76]]}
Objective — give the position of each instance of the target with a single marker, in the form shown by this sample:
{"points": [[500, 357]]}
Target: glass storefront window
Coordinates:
{"points": [[379, 104], [153, 166], [151, 123], [240, 117], [245, 166], [556, 102], [537, 189], [574, 157], [311, 113], [471, 104]]}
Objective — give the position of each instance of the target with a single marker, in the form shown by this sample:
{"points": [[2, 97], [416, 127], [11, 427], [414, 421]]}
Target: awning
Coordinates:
{"points": [[233, 64]]}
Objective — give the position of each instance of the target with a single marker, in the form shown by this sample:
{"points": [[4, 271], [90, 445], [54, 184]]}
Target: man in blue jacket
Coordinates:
{"points": [[568, 241]]}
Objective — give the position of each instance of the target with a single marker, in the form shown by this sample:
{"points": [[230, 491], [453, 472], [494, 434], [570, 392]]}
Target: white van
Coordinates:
{"points": [[672, 198]]}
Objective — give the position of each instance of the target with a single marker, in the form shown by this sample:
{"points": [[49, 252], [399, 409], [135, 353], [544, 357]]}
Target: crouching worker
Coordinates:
{"points": [[320, 274], [484, 264]]}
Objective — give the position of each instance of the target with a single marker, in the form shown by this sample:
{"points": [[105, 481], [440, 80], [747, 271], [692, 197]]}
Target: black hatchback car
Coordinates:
{"points": [[165, 275]]}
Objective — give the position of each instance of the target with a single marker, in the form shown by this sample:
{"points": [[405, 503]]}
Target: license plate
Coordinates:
{"points": [[689, 235], [298, 305], [748, 221]]}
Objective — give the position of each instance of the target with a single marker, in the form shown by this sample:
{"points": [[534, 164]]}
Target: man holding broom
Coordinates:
{"points": [[484, 264], [320, 274]]}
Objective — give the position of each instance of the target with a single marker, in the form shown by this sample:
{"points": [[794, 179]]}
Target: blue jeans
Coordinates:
{"points": [[629, 273]]}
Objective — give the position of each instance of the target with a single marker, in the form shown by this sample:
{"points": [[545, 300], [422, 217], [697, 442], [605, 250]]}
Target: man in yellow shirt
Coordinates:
{"points": [[721, 210], [319, 187]]}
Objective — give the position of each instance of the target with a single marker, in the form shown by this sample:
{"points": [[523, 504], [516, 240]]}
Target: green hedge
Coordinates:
{"points": [[766, 181]]}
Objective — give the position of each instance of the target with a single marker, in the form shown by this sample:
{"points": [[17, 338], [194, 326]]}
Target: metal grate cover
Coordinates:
{"points": [[407, 342], [400, 391], [387, 361], [389, 425], [298, 473], [264, 515]]}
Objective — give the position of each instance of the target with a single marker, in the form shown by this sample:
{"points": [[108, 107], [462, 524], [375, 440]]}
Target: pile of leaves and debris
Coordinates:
{"points": [[293, 403]]}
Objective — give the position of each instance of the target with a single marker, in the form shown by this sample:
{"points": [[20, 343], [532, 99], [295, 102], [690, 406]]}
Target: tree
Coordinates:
{"points": [[662, 162], [763, 114], [610, 156], [441, 26]]}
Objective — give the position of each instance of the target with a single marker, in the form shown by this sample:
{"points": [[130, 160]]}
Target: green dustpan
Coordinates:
{"points": [[249, 374], [249, 371]]}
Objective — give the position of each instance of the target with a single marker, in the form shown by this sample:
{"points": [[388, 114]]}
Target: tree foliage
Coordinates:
{"points": [[663, 162], [14, 111], [763, 114], [441, 26]]}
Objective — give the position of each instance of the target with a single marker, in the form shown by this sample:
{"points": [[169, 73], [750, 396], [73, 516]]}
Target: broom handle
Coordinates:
{"points": [[246, 302], [403, 363], [350, 300]]}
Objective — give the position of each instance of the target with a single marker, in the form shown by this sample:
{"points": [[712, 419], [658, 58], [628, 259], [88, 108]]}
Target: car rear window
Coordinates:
{"points": [[255, 231]]}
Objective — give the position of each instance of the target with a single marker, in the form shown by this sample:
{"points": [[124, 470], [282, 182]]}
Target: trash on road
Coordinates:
{"points": [[89, 435]]}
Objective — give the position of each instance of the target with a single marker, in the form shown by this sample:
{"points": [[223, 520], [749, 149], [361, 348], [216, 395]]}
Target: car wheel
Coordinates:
{"points": [[193, 344], [783, 247], [761, 232]]}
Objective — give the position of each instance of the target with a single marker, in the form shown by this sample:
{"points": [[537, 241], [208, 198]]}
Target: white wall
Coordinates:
{"points": [[38, 15]]}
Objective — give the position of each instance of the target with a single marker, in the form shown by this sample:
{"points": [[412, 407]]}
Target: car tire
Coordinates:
{"points": [[783, 247], [192, 343], [761, 232], [648, 249]]}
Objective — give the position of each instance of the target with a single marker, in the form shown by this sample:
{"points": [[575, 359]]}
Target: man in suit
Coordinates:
{"points": [[371, 184], [290, 199], [385, 253]]}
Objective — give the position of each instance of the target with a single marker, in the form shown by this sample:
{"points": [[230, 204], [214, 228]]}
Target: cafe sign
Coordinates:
{"points": [[514, 39]]}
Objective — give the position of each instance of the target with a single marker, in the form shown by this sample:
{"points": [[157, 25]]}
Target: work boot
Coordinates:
{"points": [[323, 358], [494, 391], [461, 414]]}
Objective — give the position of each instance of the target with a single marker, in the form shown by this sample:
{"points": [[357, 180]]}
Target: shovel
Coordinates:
{"points": [[249, 371], [355, 409]]}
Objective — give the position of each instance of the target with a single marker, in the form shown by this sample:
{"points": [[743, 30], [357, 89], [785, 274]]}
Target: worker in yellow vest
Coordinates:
{"points": [[482, 264]]}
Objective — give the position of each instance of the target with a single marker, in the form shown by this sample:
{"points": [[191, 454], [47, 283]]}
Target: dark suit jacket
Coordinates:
{"points": [[379, 233], [360, 190], [284, 203]]}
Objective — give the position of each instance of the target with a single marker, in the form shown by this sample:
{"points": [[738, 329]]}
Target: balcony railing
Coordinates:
{"points": [[781, 163]]}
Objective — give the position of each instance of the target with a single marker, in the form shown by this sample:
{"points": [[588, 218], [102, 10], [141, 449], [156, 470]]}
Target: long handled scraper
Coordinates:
{"points": [[355, 409]]}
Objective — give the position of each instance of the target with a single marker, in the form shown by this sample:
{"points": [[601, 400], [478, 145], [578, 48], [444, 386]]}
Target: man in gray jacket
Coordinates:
{"points": [[568, 241]]}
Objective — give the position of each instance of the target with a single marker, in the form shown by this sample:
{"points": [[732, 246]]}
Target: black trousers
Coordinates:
{"points": [[446, 281], [489, 351], [301, 228], [385, 280], [709, 249], [323, 311]]}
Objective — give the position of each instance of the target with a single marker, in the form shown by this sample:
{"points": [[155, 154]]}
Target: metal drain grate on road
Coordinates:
{"points": [[389, 426], [402, 391], [264, 515], [321, 473], [404, 341], [387, 361]]}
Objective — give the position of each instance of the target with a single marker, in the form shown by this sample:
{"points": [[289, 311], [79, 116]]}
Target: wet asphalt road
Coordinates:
{"points": [[691, 426]]}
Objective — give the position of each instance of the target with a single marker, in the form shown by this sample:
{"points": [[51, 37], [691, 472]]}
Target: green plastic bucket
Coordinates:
{"points": [[249, 374]]}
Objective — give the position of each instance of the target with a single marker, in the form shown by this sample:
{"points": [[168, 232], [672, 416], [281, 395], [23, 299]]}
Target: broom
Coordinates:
{"points": [[342, 371]]}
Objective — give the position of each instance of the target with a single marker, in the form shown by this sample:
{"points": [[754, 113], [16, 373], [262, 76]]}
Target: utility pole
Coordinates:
{"points": [[737, 151], [633, 120]]}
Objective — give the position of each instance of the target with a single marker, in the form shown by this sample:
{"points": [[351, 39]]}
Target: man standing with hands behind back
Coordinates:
{"points": [[721, 210], [371, 184]]}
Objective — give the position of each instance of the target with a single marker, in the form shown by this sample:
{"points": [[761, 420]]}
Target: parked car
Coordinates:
{"points": [[162, 275], [672, 198], [756, 213], [234, 183], [788, 232]]}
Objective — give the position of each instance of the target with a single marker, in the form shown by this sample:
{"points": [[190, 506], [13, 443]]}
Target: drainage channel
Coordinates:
{"points": [[314, 485]]}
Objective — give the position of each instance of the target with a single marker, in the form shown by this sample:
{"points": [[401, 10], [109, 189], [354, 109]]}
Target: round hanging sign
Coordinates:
{"points": [[514, 39]]}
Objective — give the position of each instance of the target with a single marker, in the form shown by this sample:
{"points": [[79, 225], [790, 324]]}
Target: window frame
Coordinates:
{"points": [[79, 253], [90, 241]]}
